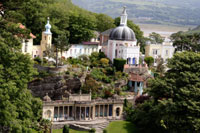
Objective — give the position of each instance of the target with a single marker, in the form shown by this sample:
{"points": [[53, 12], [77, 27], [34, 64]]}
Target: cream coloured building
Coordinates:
{"points": [[81, 107], [38, 50], [164, 50]]}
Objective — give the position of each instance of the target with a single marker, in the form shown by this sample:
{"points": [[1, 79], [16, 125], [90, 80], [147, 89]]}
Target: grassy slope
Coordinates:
{"points": [[121, 127]]}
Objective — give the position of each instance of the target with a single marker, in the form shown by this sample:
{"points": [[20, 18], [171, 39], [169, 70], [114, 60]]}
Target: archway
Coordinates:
{"points": [[48, 113], [117, 111]]}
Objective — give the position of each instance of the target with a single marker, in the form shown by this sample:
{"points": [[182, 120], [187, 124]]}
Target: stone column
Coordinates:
{"points": [[113, 115], [68, 111], [63, 112], [93, 112], [89, 113], [99, 111], [58, 113], [74, 112], [103, 110], [85, 113], [108, 110], [136, 88], [80, 113]]}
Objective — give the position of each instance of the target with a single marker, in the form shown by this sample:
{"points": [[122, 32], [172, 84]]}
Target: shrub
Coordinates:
{"points": [[149, 60], [105, 131], [43, 74], [102, 55], [106, 79], [109, 70], [66, 129], [119, 64], [104, 62], [141, 99], [117, 91], [38, 60], [93, 130], [107, 93], [97, 74], [74, 61], [118, 75]]}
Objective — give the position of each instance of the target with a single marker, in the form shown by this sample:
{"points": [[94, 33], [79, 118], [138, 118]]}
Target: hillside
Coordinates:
{"points": [[181, 12], [195, 30]]}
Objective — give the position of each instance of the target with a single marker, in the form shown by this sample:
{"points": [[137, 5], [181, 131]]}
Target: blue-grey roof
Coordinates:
{"points": [[122, 33]]}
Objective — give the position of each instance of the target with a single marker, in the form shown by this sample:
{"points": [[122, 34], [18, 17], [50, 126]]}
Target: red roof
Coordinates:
{"points": [[136, 77], [23, 27], [90, 43]]}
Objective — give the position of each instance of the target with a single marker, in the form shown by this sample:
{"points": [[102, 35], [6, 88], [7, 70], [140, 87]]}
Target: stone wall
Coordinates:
{"points": [[57, 87], [82, 97], [60, 69]]}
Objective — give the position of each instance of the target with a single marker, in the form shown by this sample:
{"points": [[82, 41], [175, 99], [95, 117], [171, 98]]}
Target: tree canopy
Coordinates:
{"points": [[174, 104], [189, 42], [19, 110], [156, 38]]}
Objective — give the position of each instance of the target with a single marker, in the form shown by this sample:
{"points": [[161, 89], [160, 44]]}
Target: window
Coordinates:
{"points": [[166, 53], [45, 38], [26, 47], [116, 53], [80, 51], [155, 52], [75, 51], [70, 51]]}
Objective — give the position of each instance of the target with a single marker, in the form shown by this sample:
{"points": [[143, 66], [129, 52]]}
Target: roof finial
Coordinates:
{"points": [[124, 15], [124, 11]]}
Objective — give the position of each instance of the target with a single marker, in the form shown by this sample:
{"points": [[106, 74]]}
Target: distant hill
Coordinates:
{"points": [[195, 30], [181, 12]]}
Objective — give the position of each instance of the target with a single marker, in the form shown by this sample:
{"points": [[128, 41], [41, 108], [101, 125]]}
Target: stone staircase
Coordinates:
{"points": [[99, 125]]}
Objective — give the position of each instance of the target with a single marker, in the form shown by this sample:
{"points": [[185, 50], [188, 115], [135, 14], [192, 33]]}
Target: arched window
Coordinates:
{"points": [[48, 113], [117, 111]]}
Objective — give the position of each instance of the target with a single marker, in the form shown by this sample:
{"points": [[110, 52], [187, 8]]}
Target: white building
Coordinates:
{"points": [[122, 43], [84, 48]]}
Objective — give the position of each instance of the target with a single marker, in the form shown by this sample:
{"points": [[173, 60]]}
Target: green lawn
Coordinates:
{"points": [[121, 127], [71, 131]]}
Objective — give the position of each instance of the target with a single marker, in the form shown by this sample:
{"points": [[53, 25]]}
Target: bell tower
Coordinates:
{"points": [[46, 41]]}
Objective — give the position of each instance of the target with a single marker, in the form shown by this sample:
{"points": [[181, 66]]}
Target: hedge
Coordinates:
{"points": [[119, 64]]}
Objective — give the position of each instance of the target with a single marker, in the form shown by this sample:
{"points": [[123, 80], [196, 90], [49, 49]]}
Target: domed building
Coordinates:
{"points": [[122, 42]]}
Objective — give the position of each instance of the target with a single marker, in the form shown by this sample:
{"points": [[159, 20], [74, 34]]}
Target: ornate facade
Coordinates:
{"points": [[80, 107]]}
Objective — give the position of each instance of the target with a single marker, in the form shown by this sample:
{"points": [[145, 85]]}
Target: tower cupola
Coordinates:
{"points": [[48, 27]]}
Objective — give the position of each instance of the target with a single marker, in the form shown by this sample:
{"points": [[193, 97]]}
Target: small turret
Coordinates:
{"points": [[48, 27], [46, 98]]}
